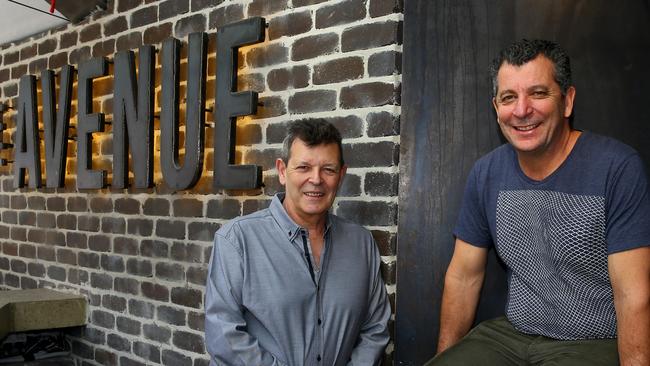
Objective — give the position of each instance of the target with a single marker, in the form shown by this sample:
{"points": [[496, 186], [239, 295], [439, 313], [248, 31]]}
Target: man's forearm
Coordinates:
{"points": [[634, 335], [457, 311]]}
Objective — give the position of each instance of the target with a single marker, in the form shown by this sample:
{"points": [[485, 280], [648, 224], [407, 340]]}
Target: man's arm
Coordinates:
{"points": [[461, 293], [629, 272], [373, 336], [226, 336]]}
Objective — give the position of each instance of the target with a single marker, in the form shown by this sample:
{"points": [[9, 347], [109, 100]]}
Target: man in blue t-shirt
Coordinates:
{"points": [[568, 212]]}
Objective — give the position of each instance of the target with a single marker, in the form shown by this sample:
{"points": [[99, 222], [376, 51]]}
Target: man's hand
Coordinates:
{"points": [[629, 272]]}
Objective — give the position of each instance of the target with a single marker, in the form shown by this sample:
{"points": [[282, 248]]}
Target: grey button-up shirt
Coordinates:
{"points": [[265, 307]]}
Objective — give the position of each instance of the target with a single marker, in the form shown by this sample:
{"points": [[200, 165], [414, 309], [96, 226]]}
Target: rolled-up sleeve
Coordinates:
{"points": [[226, 336]]}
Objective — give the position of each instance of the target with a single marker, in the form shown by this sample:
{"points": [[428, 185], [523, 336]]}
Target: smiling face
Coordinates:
{"points": [[531, 110], [311, 176]]}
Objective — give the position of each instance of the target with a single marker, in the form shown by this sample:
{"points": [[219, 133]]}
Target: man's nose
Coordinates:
{"points": [[522, 107], [315, 177]]}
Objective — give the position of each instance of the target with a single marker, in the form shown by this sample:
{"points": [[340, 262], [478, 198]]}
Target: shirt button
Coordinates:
{"points": [[318, 358], [319, 321]]}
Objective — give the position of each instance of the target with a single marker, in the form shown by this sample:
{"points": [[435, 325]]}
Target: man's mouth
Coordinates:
{"points": [[314, 194], [526, 128]]}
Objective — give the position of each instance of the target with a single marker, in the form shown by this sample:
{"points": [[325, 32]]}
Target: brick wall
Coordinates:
{"points": [[140, 256]]}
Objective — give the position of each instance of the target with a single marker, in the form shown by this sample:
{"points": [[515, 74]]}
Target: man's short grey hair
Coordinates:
{"points": [[524, 51], [313, 132]]}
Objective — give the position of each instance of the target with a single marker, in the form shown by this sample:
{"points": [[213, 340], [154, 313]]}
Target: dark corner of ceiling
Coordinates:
{"points": [[77, 10]]}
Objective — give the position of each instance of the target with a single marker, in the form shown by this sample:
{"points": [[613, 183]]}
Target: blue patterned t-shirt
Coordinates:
{"points": [[555, 235]]}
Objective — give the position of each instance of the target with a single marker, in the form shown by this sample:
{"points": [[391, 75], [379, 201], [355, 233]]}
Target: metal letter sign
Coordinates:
{"points": [[56, 124], [26, 151], [230, 104], [133, 123], [175, 176], [87, 123]]}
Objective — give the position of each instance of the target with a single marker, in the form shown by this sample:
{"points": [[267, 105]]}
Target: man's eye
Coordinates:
{"points": [[301, 167], [330, 171], [507, 98], [540, 93]]}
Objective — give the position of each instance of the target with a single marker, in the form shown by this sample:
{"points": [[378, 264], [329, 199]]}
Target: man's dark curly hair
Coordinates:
{"points": [[313, 132], [526, 50]]}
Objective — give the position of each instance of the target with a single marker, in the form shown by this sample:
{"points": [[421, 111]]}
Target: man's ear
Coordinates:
{"points": [[344, 169], [281, 167], [568, 101]]}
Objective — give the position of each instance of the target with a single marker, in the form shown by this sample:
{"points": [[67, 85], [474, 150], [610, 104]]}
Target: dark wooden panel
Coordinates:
{"points": [[448, 122]]}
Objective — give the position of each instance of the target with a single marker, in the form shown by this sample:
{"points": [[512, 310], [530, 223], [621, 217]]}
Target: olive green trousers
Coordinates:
{"points": [[496, 342]]}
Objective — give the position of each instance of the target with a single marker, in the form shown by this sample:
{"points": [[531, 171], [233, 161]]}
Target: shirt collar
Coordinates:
{"points": [[289, 227]]}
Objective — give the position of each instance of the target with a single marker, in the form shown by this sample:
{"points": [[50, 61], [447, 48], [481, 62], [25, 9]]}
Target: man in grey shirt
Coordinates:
{"points": [[293, 284]]}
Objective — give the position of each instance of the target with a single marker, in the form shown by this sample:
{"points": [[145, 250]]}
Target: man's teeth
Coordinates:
{"points": [[526, 128], [314, 194]]}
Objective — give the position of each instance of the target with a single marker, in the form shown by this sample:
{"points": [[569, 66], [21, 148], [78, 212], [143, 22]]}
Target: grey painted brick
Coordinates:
{"points": [[366, 36], [371, 154], [36, 203], [103, 319], [18, 202], [27, 283], [188, 207], [127, 206], [124, 245], [88, 260], [118, 343], [290, 24], [190, 24], [156, 333], [46, 220], [186, 252], [312, 101], [188, 341], [380, 8], [144, 16], [271, 107], [94, 335], [99, 243], [101, 281], [101, 204], [66, 221], [10, 217], [154, 248], [88, 223], [169, 271], [156, 207], [351, 186], [368, 95], [76, 239], [113, 225], [27, 251], [78, 276], [156, 34], [127, 285], [66, 256], [376, 213], [128, 326], [172, 229], [142, 309], [81, 349], [170, 357], [296, 77], [128, 41], [269, 55], [77, 204], [139, 267], [382, 124], [202, 231], [197, 275], [140, 227], [105, 358], [251, 206], [385, 63], [172, 8], [338, 70], [187, 297], [155, 291], [196, 320], [115, 26], [125, 5], [203, 4], [115, 303], [112, 263], [147, 351], [225, 15], [381, 184], [46, 254], [171, 315], [313, 46], [18, 266], [36, 269], [266, 7], [340, 13]]}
